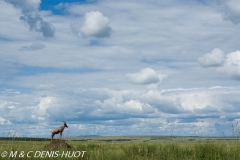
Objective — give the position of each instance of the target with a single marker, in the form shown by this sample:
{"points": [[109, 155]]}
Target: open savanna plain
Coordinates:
{"points": [[122, 148]]}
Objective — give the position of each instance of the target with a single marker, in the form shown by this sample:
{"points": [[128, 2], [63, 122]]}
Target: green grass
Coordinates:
{"points": [[133, 148]]}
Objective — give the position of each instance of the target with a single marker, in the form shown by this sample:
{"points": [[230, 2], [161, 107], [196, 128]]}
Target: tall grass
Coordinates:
{"points": [[168, 150], [163, 151]]}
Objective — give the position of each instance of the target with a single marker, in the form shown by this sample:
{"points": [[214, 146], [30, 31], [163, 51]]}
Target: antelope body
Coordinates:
{"points": [[59, 130]]}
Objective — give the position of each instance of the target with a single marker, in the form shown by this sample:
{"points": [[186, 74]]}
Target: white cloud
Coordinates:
{"points": [[145, 76], [141, 108], [4, 121], [207, 109], [180, 107], [214, 59], [121, 106], [230, 10], [232, 65], [95, 25], [134, 105], [227, 64], [31, 17], [222, 117], [162, 102], [44, 104]]}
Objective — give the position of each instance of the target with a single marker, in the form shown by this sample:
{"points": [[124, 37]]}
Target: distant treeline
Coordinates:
{"points": [[24, 138]]}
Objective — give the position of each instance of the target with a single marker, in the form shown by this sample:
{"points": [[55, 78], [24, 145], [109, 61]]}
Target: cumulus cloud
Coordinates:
{"points": [[34, 46], [166, 102], [227, 64], [207, 109], [31, 17], [214, 59], [4, 121], [122, 109], [44, 104], [145, 76], [95, 25], [232, 65], [230, 10]]}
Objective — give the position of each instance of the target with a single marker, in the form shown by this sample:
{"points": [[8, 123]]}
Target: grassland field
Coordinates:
{"points": [[122, 148]]}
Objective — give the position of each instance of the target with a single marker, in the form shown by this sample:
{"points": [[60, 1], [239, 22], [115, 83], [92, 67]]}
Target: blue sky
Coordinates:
{"points": [[119, 67]]}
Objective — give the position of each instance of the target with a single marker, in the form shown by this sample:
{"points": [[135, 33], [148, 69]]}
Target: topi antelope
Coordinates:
{"points": [[59, 130]]}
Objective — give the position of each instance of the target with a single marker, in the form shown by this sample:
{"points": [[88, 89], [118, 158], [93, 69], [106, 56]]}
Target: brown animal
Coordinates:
{"points": [[59, 130]]}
